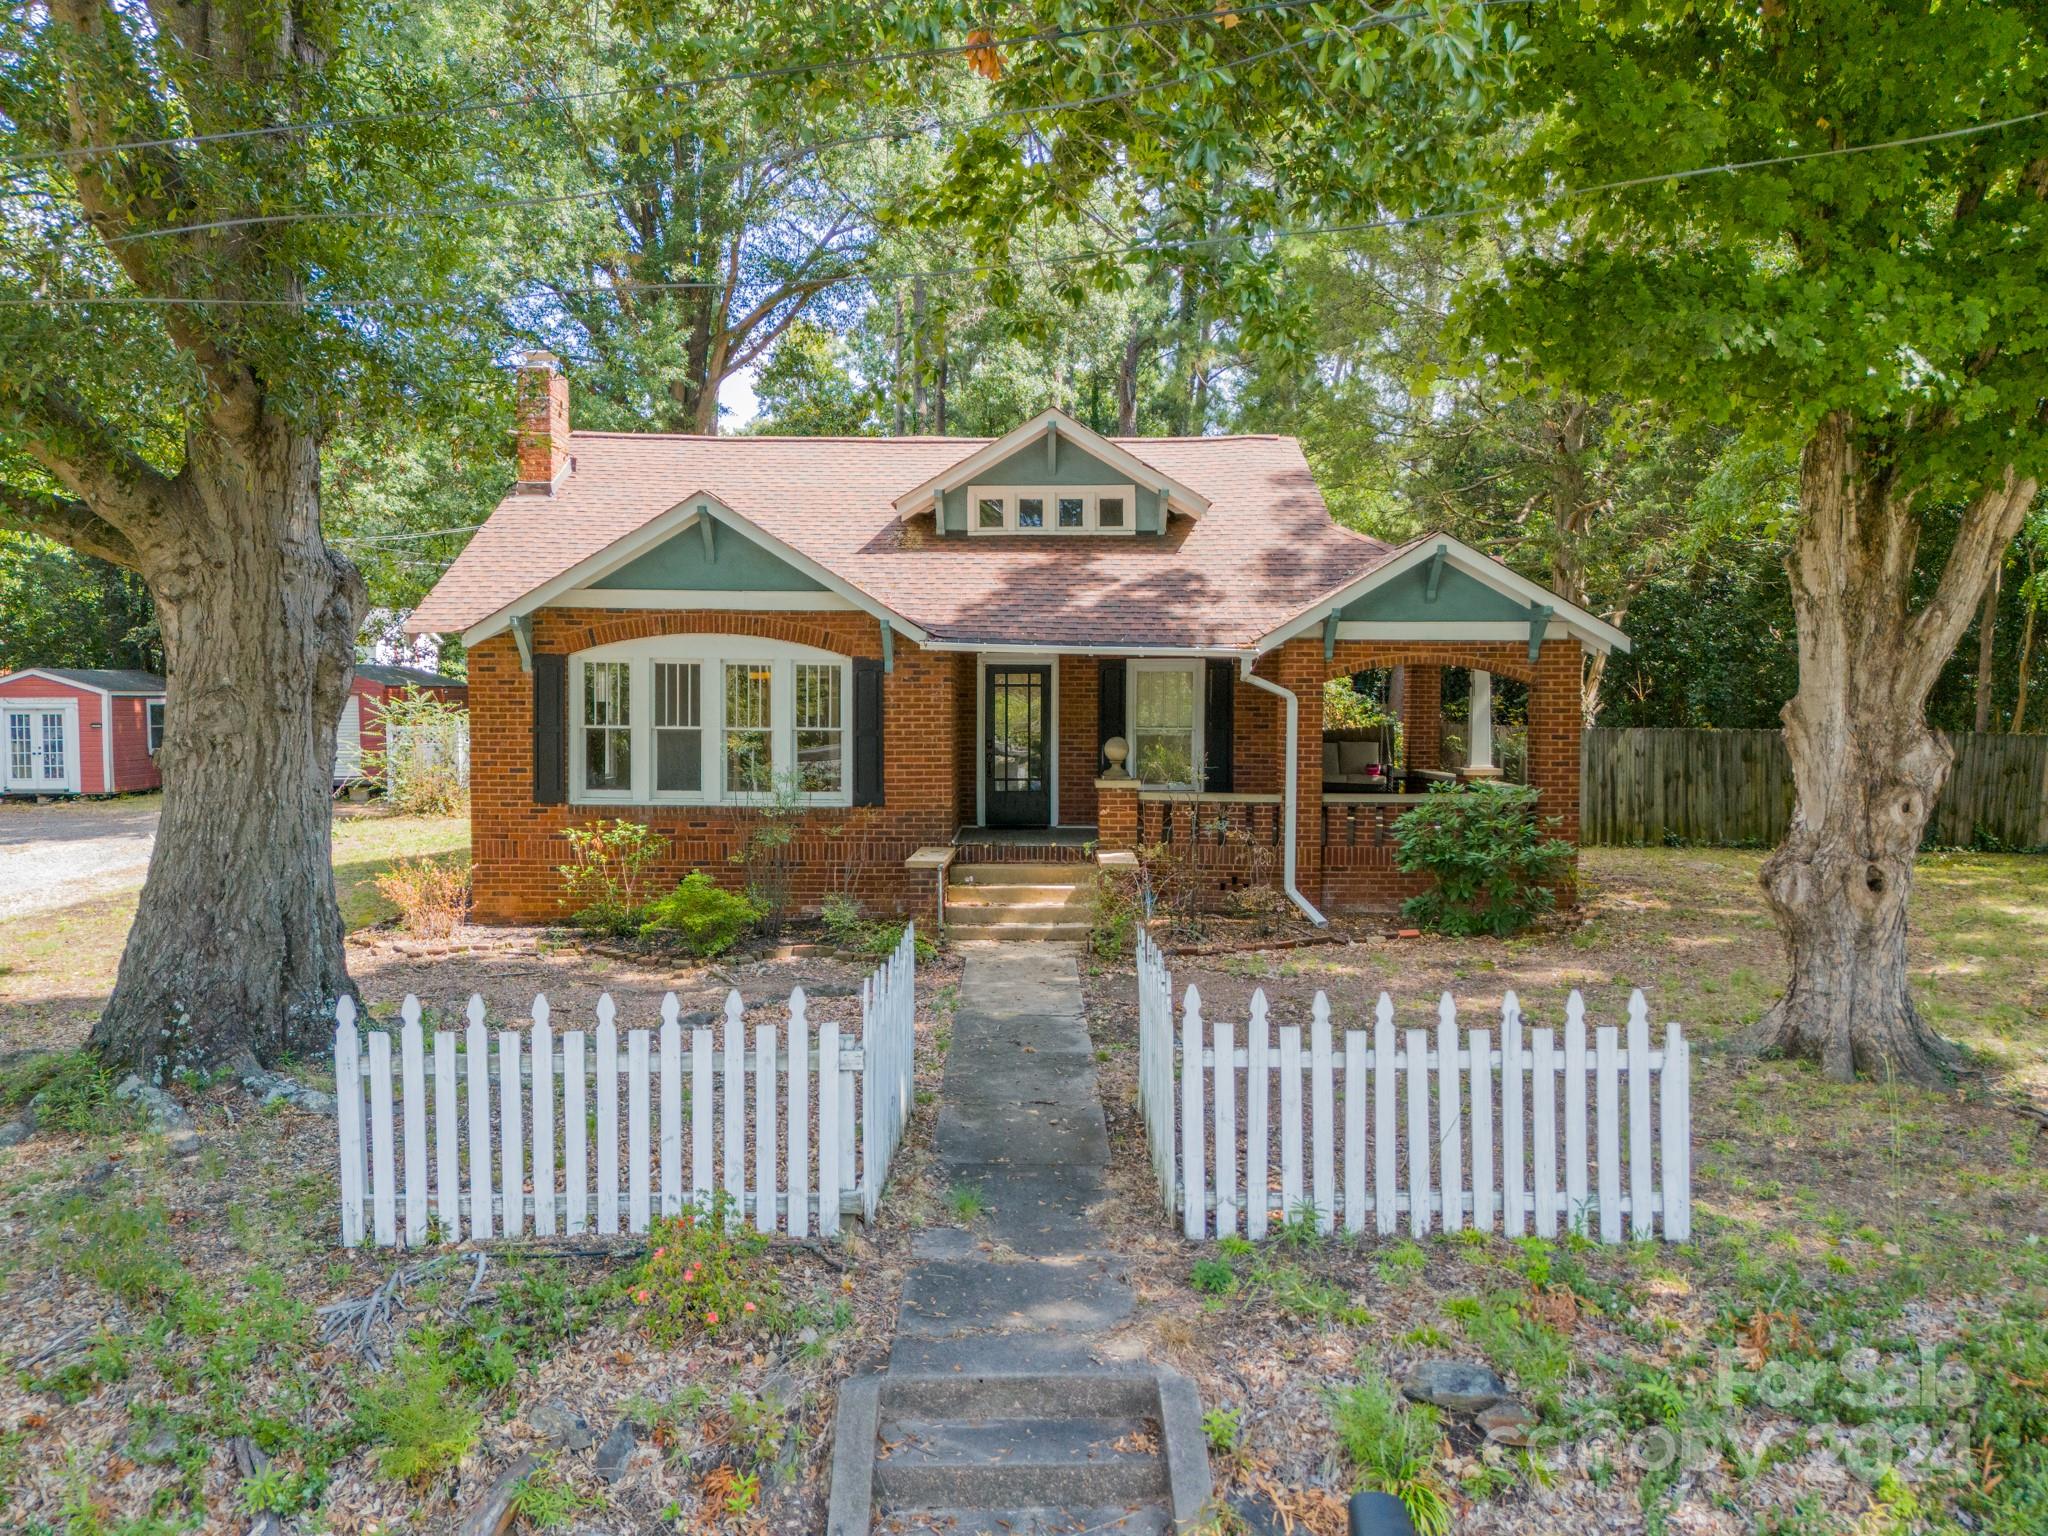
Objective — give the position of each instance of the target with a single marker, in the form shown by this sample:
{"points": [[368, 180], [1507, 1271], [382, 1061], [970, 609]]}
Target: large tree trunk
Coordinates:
{"points": [[237, 944], [1866, 768]]}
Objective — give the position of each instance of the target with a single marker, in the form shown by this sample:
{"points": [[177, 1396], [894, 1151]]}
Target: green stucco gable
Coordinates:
{"points": [[733, 563], [1459, 599], [1036, 464]]}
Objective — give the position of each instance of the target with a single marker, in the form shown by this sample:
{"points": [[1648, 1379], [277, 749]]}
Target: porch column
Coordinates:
{"points": [[1479, 758], [1116, 813], [1422, 716]]}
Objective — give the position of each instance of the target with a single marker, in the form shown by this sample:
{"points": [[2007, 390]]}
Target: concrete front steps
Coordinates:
{"points": [[1046, 902], [1017, 1455]]}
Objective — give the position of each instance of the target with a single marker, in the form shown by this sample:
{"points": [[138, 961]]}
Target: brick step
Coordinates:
{"points": [[1018, 1462], [950, 1520], [1052, 896], [1019, 874], [1000, 932]]}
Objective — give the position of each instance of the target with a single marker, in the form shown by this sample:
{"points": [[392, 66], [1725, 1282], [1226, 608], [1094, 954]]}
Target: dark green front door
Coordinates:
{"points": [[1018, 741]]}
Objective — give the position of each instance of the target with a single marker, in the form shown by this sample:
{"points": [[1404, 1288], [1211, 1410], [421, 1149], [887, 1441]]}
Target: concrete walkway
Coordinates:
{"points": [[1005, 1408]]}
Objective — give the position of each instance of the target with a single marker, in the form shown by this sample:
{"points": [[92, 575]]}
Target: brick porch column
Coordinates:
{"points": [[1422, 716], [1116, 813], [1555, 722], [1298, 666]]}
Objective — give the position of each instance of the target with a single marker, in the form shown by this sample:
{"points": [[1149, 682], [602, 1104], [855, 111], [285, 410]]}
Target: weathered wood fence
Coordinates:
{"points": [[1488, 1159], [1734, 788], [842, 1109]]}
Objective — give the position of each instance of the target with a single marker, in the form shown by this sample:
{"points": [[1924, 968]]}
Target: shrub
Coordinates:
{"points": [[1393, 1449], [601, 883], [71, 1090], [1484, 847], [705, 1272], [708, 918], [415, 1416], [425, 756], [432, 898], [853, 931], [1117, 911]]}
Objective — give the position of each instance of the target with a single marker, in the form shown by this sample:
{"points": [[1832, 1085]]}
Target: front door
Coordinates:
{"points": [[38, 756], [1019, 718]]}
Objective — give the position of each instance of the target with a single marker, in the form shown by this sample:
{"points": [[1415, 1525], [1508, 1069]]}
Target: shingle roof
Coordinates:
{"points": [[406, 677], [109, 679], [1263, 552]]}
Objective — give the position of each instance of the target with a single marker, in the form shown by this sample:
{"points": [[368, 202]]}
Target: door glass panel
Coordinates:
{"points": [[21, 747], [53, 747], [1017, 745], [1164, 737]]}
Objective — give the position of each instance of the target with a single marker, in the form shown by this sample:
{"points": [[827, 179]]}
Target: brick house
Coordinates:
{"points": [[1045, 648]]}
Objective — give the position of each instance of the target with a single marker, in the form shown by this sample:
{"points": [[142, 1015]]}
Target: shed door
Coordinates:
{"points": [[40, 755], [348, 741]]}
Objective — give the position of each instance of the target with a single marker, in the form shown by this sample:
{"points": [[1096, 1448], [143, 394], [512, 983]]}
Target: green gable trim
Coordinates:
{"points": [[1040, 463], [1460, 599], [703, 560]]}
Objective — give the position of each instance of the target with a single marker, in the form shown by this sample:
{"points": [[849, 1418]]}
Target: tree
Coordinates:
{"points": [[1877, 311], [173, 427], [60, 609], [808, 388]]}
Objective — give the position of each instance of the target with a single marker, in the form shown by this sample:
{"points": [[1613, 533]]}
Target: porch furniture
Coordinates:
{"points": [[1357, 760]]}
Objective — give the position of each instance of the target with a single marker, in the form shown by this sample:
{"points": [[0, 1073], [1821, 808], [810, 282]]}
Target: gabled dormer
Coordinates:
{"points": [[1050, 477]]}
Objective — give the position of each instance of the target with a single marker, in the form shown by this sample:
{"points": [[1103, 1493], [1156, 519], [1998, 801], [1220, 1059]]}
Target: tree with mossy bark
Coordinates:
{"points": [[1867, 291], [181, 338]]}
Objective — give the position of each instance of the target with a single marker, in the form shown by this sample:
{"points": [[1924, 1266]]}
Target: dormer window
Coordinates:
{"points": [[1052, 509]]}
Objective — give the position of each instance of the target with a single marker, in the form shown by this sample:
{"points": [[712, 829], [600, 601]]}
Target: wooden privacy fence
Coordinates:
{"points": [[1486, 1155], [1734, 788], [842, 1108]]}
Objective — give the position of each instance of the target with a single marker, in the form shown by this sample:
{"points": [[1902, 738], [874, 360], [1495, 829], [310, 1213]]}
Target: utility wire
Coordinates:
{"points": [[732, 77], [794, 153], [1160, 246]]}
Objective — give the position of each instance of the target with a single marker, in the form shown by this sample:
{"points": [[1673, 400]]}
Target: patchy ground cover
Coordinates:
{"points": [[170, 1368], [1854, 1342]]}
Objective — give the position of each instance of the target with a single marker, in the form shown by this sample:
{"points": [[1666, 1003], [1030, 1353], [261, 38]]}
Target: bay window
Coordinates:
{"points": [[705, 719]]}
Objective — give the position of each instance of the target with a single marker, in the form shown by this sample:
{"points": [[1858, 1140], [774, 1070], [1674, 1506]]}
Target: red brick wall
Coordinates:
{"points": [[966, 733], [1079, 714], [517, 845], [1422, 716]]}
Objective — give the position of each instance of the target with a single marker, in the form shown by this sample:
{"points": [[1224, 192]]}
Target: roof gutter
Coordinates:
{"points": [[1290, 789]]}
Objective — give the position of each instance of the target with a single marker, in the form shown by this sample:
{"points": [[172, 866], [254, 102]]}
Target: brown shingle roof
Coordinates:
{"points": [[1265, 550]]}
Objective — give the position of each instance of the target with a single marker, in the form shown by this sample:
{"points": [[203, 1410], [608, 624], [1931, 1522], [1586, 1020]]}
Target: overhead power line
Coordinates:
{"points": [[1162, 246], [731, 77]]}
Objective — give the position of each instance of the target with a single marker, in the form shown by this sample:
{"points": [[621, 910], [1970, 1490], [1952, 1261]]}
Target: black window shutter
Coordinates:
{"points": [[1109, 707], [550, 730], [867, 731], [1219, 734]]}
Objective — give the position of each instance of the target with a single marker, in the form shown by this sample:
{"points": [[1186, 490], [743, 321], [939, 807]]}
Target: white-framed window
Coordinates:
{"points": [[155, 711], [707, 720], [1166, 723], [1053, 509]]}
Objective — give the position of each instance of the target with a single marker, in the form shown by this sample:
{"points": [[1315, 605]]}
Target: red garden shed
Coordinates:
{"points": [[362, 729], [79, 731]]}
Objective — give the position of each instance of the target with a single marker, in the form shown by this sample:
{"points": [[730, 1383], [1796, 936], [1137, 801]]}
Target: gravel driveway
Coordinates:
{"points": [[58, 854]]}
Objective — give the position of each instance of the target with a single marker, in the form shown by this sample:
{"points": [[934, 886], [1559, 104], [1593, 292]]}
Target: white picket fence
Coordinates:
{"points": [[767, 1096], [1194, 1075]]}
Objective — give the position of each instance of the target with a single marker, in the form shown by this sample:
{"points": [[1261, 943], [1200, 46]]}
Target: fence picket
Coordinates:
{"points": [[638, 1133], [543, 1121], [671, 1107], [478, 1053], [1322, 1117], [1450, 1133], [511, 1131], [1513, 1203], [1383, 1172], [1194, 1181], [701, 1073], [1258, 1101], [1576, 1202], [735, 1086], [575, 1138], [1482, 1130], [415, 1075], [348, 1092], [1290, 1121], [1607, 1121], [829, 1108], [1543, 1090], [1677, 1112], [383, 1206], [1418, 1131], [764, 1127], [1354, 1130], [447, 1139], [799, 1115], [607, 1117], [1226, 1130], [1641, 1182]]}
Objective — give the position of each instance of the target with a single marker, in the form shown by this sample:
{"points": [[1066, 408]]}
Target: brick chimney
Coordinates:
{"points": [[543, 422]]}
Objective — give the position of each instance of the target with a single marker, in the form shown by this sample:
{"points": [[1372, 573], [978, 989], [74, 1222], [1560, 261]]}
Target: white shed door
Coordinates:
{"points": [[348, 741]]}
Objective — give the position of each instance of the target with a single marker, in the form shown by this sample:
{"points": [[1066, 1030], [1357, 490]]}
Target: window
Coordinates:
{"points": [[607, 727], [156, 725], [749, 730], [820, 729], [1163, 721], [709, 719], [678, 728], [1052, 509]]}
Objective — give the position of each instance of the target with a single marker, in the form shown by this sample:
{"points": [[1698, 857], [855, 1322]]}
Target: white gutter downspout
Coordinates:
{"points": [[1289, 790]]}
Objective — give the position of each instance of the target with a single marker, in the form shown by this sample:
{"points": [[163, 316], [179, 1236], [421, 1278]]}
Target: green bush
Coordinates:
{"points": [[75, 1089], [708, 918], [1492, 863], [416, 1416], [1393, 1449], [1117, 911], [601, 883], [854, 931]]}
